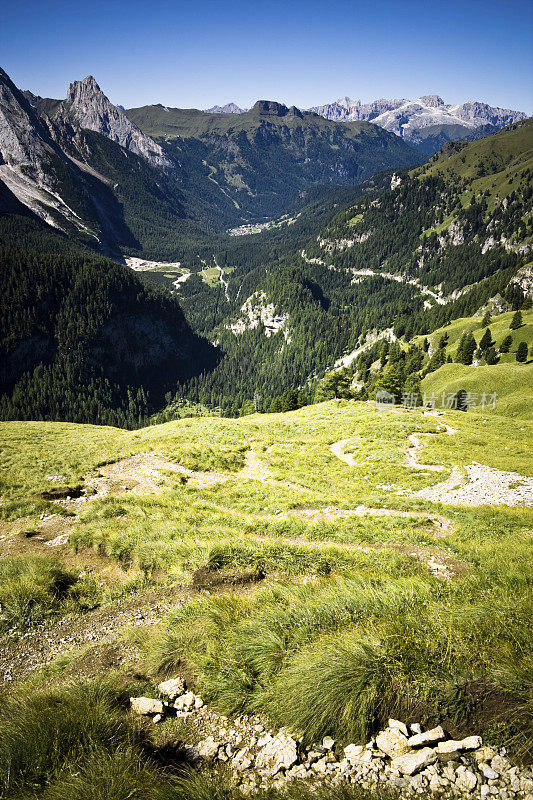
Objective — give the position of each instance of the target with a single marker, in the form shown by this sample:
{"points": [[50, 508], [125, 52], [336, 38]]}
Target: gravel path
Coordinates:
{"points": [[485, 486], [338, 450], [21, 655], [441, 563]]}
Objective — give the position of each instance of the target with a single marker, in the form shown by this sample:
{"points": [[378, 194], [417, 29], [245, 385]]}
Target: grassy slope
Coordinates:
{"points": [[507, 153], [155, 121], [510, 380], [369, 631]]}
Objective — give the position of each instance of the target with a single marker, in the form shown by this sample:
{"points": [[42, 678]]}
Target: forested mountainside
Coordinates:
{"points": [[81, 339], [402, 251], [253, 165], [82, 165], [438, 245]]}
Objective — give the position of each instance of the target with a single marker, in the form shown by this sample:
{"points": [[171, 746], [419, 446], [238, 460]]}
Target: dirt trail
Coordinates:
{"points": [[255, 470], [416, 445], [338, 450], [38, 647], [443, 524], [440, 563]]}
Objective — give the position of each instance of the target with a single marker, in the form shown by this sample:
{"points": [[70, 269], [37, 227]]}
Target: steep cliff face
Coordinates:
{"points": [[32, 165], [89, 106]]}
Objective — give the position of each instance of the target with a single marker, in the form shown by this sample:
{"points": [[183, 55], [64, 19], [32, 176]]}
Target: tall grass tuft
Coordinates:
{"points": [[123, 774], [342, 687], [41, 732], [34, 587]]}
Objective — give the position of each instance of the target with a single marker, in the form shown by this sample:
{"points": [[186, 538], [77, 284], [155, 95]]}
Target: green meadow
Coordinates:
{"points": [[328, 617]]}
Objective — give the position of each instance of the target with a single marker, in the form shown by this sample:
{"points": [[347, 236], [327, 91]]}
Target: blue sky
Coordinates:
{"points": [[195, 54]]}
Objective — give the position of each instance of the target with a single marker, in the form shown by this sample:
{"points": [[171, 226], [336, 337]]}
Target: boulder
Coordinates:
{"points": [[172, 688], [454, 745], [185, 702], [208, 748], [279, 754], [401, 726], [353, 753], [392, 742], [145, 706], [466, 781], [413, 762], [428, 737]]}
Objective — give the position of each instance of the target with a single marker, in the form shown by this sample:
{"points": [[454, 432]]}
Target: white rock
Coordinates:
{"points": [[400, 726], [410, 763], [328, 743], [452, 745], [472, 742], [185, 702], [353, 753], [198, 702], [428, 737], [279, 754], [392, 742], [500, 764], [145, 706], [415, 727], [466, 781], [489, 773], [208, 749], [172, 688]]}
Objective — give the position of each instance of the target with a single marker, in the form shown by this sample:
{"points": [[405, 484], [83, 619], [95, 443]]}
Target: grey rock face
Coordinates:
{"points": [[229, 108], [407, 118], [91, 109], [24, 142]]}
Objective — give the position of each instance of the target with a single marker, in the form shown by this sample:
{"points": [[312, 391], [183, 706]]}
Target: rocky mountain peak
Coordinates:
{"points": [[87, 86], [229, 108], [431, 100], [91, 109], [271, 108]]}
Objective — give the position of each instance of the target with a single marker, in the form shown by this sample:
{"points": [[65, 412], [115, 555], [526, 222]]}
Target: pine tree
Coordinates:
{"points": [[521, 353], [516, 321], [491, 356], [506, 344], [466, 349], [486, 340], [487, 319]]}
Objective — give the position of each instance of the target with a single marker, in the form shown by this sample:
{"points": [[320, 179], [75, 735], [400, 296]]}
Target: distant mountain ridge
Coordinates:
{"points": [[426, 123], [229, 108], [417, 120], [152, 180]]}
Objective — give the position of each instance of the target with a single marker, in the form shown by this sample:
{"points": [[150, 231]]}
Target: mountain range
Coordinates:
{"points": [[144, 179], [426, 123], [355, 238]]}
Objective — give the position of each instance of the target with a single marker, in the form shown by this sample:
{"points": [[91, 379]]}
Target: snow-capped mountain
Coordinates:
{"points": [[427, 118]]}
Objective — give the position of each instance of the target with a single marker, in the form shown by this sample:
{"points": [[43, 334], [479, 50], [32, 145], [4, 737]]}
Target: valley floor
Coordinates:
{"points": [[325, 568]]}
